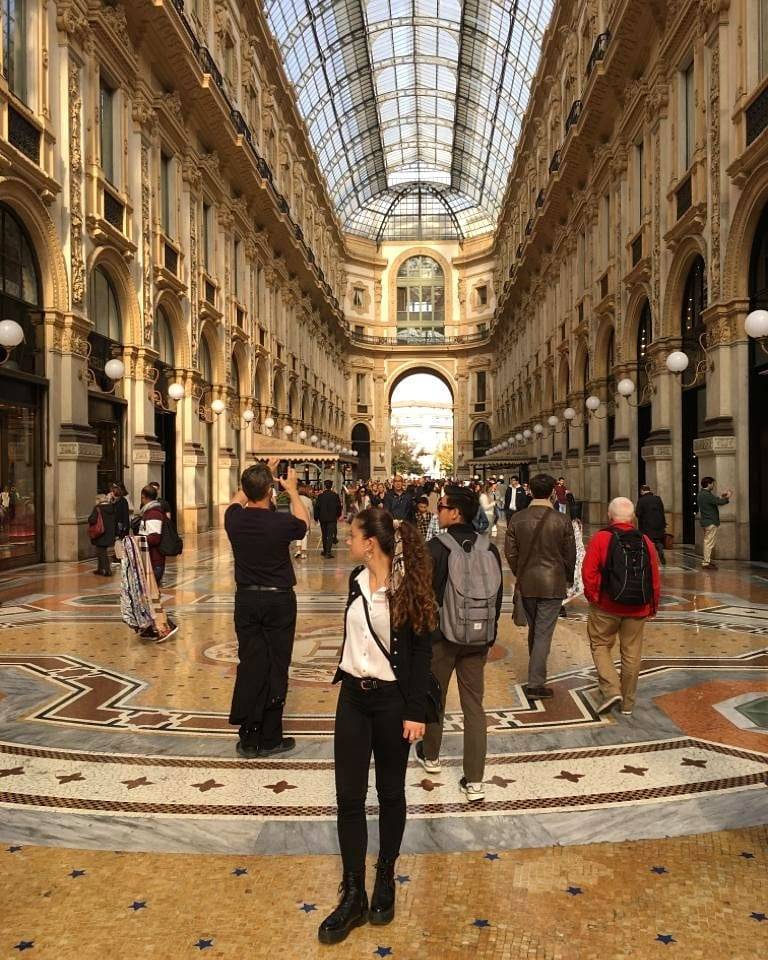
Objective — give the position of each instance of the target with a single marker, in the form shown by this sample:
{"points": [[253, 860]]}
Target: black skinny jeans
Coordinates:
{"points": [[328, 532], [266, 624], [369, 722]]}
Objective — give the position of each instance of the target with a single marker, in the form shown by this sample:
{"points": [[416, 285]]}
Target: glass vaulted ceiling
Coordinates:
{"points": [[404, 94]]}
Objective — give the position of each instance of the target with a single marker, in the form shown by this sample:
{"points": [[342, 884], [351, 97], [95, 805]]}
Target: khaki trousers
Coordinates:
{"points": [[710, 536], [469, 666], [603, 629]]}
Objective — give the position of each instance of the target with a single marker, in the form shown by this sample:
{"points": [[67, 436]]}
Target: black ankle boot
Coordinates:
{"points": [[383, 898], [351, 912]]}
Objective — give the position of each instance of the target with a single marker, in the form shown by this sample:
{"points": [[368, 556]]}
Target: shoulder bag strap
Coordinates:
{"points": [[536, 532]]}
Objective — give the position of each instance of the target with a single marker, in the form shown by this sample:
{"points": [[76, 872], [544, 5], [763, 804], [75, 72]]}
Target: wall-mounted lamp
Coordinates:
{"points": [[678, 362], [248, 416], [11, 335], [218, 406], [114, 369], [176, 391], [755, 326]]}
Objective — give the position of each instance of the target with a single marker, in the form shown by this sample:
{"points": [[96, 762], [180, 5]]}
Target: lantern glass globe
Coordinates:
{"points": [[756, 324], [593, 403], [625, 387], [303, 435], [287, 430], [218, 406], [176, 391], [527, 434], [677, 361], [269, 423], [518, 437], [552, 421], [11, 334], [114, 369], [248, 416], [538, 428], [569, 413], [313, 439], [324, 443]]}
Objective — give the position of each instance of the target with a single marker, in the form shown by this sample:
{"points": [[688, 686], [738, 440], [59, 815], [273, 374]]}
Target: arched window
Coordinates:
{"points": [[206, 366], [235, 376], [692, 310], [481, 440], [643, 342], [163, 338], [105, 311], [19, 286], [420, 300]]}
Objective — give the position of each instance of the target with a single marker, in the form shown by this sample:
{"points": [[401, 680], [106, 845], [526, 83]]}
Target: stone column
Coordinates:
{"points": [[658, 450], [622, 478]]}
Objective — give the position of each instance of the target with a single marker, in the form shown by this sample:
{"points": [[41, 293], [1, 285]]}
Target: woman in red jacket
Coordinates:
{"points": [[622, 586]]}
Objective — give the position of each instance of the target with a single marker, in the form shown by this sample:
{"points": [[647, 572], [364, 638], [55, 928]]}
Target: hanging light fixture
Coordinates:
{"points": [[11, 334], [176, 391], [218, 406]]}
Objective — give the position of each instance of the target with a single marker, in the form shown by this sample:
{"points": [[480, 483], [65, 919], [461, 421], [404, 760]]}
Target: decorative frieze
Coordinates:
{"points": [[76, 183]]}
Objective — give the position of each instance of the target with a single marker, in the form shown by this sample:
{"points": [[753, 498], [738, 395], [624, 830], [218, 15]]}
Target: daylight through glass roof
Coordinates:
{"points": [[402, 93]]}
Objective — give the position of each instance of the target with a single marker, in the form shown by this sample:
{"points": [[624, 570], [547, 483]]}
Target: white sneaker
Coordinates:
{"points": [[431, 766], [472, 791]]}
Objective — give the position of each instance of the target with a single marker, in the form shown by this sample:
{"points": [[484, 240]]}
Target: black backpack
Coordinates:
{"points": [[171, 543], [627, 574]]}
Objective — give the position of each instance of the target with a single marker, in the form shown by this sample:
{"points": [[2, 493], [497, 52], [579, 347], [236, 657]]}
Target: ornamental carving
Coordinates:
{"points": [[114, 17], [146, 242], [194, 268], [75, 184], [70, 20], [143, 111], [172, 104], [714, 168]]}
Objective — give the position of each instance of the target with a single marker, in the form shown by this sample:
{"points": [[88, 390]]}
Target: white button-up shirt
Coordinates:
{"points": [[362, 656]]}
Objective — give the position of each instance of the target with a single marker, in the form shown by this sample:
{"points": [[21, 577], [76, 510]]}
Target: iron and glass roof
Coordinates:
{"points": [[415, 102]]}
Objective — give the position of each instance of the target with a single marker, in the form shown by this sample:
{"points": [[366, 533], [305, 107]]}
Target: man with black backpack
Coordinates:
{"points": [[467, 580], [622, 584]]}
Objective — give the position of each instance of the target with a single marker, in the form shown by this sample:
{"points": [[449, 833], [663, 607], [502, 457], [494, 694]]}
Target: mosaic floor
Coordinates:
{"points": [[108, 743]]}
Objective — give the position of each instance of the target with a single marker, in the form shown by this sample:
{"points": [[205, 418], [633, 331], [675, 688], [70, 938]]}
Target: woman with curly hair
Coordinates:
{"points": [[389, 627]]}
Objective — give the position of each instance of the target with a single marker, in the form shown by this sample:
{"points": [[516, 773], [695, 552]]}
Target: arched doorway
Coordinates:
{"points": [[694, 393], [758, 399], [21, 398], [361, 444], [421, 424], [420, 301], [106, 412], [643, 389], [481, 440], [165, 412]]}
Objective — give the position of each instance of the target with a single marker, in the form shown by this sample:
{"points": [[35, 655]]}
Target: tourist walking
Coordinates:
{"points": [[541, 551], [102, 530], [327, 512], [148, 523], [515, 498], [398, 501], [622, 585], [265, 606], [577, 587], [652, 519], [488, 506], [467, 581], [122, 510], [423, 516], [709, 517], [389, 627], [301, 547]]}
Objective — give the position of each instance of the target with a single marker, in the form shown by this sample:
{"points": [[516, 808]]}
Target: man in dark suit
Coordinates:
{"points": [[327, 512], [651, 519], [515, 498]]}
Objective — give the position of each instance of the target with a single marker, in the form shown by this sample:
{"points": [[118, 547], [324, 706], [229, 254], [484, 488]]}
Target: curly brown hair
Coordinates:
{"points": [[414, 600]]}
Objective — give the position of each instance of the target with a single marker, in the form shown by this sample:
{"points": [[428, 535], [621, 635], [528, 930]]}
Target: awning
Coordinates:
{"points": [[266, 447]]}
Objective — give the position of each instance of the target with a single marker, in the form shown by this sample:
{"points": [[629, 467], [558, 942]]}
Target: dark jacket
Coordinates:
{"points": [[107, 510], [440, 554], [411, 657], [651, 519], [122, 516], [328, 507], [400, 505], [709, 507], [521, 498], [549, 569]]}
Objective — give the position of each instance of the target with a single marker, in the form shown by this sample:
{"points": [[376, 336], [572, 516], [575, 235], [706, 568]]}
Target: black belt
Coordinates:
{"points": [[257, 586], [366, 683]]}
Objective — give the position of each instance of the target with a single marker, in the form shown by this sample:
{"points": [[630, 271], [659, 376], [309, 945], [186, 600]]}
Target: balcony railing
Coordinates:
{"points": [[407, 339], [573, 115], [598, 51]]}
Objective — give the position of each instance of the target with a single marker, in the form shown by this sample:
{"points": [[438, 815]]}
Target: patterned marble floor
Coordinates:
{"points": [[109, 743]]}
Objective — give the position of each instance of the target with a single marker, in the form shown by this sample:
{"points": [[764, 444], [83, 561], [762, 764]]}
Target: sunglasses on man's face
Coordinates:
{"points": [[444, 506]]}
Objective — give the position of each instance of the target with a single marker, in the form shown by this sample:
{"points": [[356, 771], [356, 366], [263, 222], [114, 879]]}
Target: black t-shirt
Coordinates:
{"points": [[261, 541]]}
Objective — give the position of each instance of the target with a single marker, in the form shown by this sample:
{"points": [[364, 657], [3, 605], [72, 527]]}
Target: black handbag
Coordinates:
{"points": [[433, 711]]}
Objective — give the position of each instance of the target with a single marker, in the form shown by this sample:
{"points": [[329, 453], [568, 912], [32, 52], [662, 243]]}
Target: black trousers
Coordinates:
{"points": [[328, 530], [102, 560], [265, 623], [369, 722]]}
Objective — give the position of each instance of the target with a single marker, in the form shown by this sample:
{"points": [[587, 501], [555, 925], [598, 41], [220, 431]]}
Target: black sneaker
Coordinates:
{"points": [[248, 751], [285, 746], [538, 693]]}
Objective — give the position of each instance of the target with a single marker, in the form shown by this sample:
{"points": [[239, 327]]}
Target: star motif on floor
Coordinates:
{"points": [[138, 782], [427, 784], [492, 856], [383, 951], [280, 787], [138, 905], [207, 785], [638, 771], [570, 777], [203, 944], [14, 849], [24, 945], [665, 938], [500, 781], [659, 870], [686, 762], [76, 873], [69, 777], [405, 878], [574, 891], [239, 871], [308, 907], [759, 917], [12, 772], [747, 855], [481, 923]]}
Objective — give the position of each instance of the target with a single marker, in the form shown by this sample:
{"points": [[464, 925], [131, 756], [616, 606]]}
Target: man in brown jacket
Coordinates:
{"points": [[541, 551]]}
